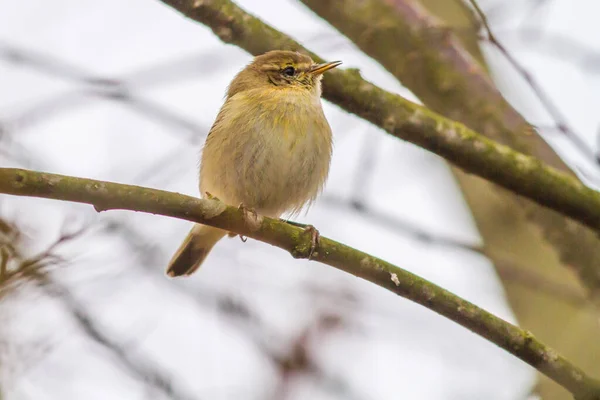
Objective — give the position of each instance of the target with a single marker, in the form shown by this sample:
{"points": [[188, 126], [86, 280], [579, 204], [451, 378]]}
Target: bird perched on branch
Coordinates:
{"points": [[268, 150]]}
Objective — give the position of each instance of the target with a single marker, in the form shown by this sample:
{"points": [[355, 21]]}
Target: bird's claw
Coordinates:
{"points": [[246, 211], [314, 239]]}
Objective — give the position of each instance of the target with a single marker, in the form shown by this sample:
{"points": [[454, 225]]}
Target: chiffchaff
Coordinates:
{"points": [[269, 148]]}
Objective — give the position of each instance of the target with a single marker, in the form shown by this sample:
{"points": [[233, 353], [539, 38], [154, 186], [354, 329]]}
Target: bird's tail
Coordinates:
{"points": [[193, 250]]}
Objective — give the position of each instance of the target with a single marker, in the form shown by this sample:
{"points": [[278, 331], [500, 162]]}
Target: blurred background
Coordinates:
{"points": [[126, 92]]}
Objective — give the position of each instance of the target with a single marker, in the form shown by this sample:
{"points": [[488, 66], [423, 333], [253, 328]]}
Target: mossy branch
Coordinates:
{"points": [[109, 196], [425, 54]]}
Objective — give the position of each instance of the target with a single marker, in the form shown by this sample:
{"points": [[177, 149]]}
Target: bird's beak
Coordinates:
{"points": [[321, 68]]}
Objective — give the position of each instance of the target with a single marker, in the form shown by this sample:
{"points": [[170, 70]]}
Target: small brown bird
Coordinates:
{"points": [[269, 148]]}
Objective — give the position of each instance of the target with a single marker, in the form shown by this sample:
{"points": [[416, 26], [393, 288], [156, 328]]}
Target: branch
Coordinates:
{"points": [[560, 120], [462, 90], [109, 196], [143, 369]]}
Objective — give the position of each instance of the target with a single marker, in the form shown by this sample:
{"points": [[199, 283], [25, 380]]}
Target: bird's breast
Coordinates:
{"points": [[269, 151]]}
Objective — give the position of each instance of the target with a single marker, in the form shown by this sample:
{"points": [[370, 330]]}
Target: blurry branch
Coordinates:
{"points": [[511, 271], [300, 359], [107, 195], [507, 268], [76, 98], [397, 225], [427, 57], [365, 167], [444, 77], [152, 76], [559, 119], [33, 269], [94, 85], [501, 12], [141, 369], [9, 242], [556, 45], [15, 267], [18, 269]]}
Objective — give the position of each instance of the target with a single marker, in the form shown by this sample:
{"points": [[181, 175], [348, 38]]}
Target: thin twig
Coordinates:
{"points": [[95, 85], [559, 119]]}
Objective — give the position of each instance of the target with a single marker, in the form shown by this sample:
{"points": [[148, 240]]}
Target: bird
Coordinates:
{"points": [[269, 149]]}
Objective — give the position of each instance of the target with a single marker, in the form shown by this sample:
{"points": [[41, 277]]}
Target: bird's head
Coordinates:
{"points": [[281, 69]]}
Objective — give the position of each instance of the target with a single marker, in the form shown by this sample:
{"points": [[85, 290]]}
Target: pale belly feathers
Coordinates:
{"points": [[274, 162]]}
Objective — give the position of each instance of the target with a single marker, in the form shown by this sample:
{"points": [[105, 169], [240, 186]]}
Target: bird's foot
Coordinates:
{"points": [[314, 239], [250, 218], [314, 235], [247, 211]]}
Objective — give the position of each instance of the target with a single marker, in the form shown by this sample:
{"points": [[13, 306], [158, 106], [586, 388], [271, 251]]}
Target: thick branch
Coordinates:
{"points": [[107, 196], [426, 56]]}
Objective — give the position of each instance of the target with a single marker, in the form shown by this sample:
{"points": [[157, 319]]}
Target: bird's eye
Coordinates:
{"points": [[289, 71]]}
